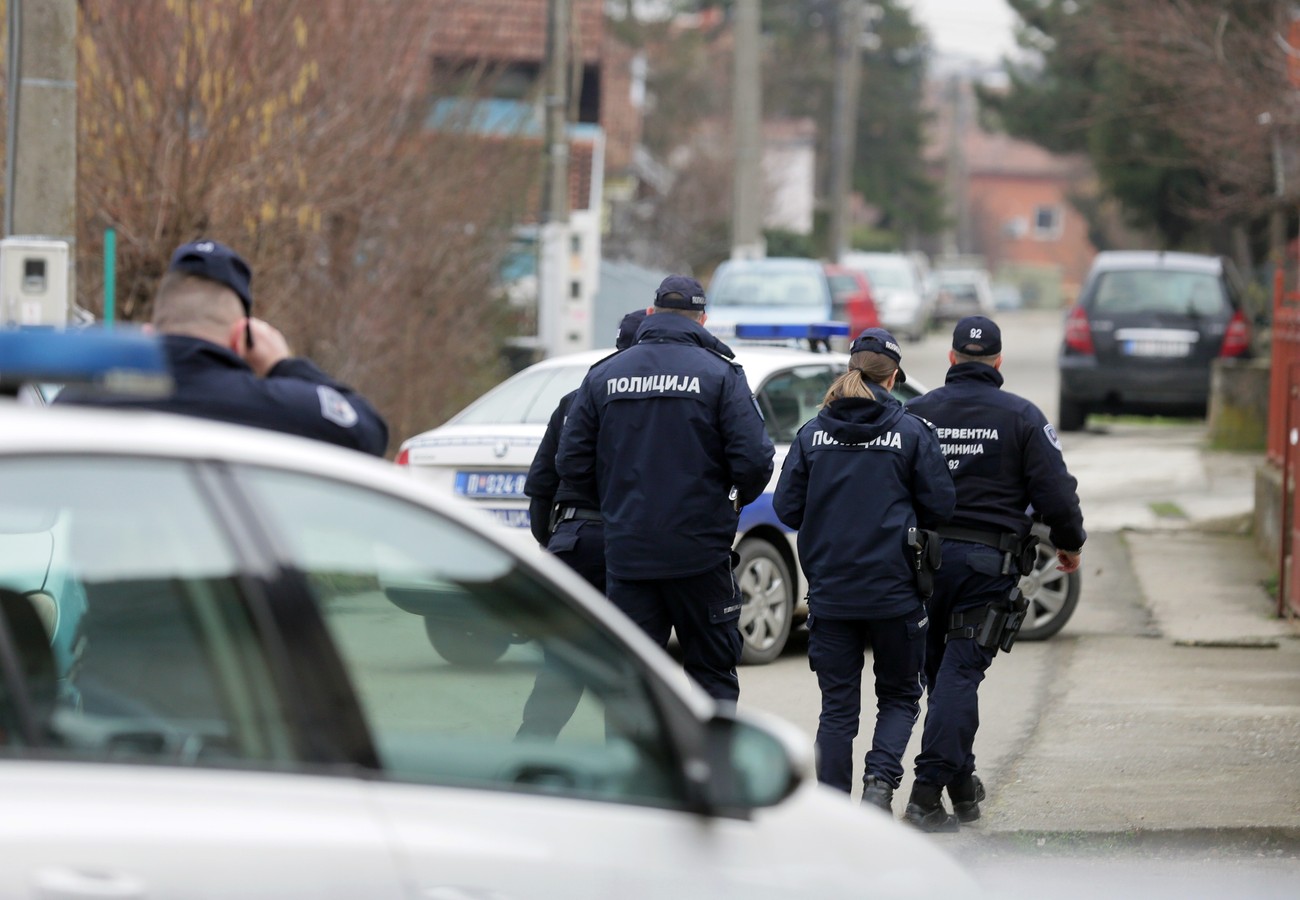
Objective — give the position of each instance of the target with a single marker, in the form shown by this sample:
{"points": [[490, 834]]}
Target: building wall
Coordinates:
{"points": [[1007, 230]]}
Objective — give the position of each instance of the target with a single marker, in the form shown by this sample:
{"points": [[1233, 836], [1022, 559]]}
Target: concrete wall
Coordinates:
{"points": [[1268, 512], [1238, 415]]}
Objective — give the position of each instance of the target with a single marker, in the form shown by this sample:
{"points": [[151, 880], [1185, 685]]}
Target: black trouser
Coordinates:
{"points": [[971, 579], [580, 544], [703, 609], [836, 649]]}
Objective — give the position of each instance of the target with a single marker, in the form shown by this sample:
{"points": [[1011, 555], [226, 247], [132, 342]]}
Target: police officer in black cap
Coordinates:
{"points": [[858, 479], [1005, 457], [567, 522], [669, 438], [232, 367]]}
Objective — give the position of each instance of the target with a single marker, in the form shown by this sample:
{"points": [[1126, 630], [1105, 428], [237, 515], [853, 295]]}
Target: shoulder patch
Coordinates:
{"points": [[335, 407], [1051, 435]]}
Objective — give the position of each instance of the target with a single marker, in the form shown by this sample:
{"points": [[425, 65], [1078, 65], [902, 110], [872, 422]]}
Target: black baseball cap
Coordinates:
{"points": [[977, 336], [627, 329], [215, 261], [680, 292], [878, 340]]}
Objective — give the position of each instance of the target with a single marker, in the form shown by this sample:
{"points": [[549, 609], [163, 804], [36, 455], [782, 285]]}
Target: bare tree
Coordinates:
{"points": [[296, 131]]}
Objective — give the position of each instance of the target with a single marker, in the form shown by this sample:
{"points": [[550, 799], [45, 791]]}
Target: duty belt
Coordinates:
{"points": [[576, 512], [1005, 541]]}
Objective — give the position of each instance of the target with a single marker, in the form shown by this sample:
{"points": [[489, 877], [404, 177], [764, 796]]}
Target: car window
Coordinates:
{"points": [[471, 670], [770, 287], [790, 398], [1159, 291], [843, 286], [886, 276], [120, 602], [527, 399]]}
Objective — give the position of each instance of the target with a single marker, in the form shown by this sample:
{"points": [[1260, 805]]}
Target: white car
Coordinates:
{"points": [[898, 286], [253, 709], [482, 455]]}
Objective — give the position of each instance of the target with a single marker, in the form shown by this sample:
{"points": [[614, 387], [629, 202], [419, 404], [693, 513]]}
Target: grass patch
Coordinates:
{"points": [[1167, 510], [1127, 419]]}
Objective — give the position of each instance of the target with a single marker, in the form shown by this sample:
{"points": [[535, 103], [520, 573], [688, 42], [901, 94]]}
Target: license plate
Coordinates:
{"points": [[1157, 348], [513, 518], [490, 484]]}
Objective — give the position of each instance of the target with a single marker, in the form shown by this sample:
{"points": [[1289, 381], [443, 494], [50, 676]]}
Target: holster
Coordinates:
{"points": [[927, 557], [995, 626]]}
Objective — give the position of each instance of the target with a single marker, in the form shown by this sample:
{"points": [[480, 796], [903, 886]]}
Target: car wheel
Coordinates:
{"points": [[1052, 594], [462, 646], [767, 601], [1072, 415]]}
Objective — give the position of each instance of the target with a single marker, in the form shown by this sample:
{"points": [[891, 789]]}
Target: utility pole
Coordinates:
{"points": [[553, 237], [41, 168], [746, 97], [844, 121]]}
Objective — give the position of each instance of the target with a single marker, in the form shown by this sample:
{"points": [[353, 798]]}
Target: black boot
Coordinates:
{"points": [[925, 809], [875, 792], [966, 793]]}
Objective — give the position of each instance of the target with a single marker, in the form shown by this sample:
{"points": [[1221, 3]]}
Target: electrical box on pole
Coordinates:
{"points": [[33, 281]]}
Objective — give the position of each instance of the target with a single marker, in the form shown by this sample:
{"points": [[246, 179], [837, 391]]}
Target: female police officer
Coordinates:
{"points": [[857, 478]]}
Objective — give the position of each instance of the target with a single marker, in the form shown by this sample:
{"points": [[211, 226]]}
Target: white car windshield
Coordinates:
{"points": [[770, 286], [888, 277]]}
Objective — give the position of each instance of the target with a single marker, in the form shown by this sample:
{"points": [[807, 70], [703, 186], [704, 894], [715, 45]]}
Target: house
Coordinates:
{"points": [[1010, 201]]}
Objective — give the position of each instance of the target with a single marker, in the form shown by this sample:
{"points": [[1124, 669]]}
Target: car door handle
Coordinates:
{"points": [[59, 883]]}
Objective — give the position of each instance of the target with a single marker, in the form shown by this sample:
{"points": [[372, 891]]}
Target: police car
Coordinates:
{"points": [[248, 683], [482, 454]]}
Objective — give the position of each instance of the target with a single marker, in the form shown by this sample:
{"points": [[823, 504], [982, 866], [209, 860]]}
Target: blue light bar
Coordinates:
{"points": [[120, 361], [803, 331]]}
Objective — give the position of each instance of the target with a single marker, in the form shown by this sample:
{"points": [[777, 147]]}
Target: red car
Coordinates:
{"points": [[853, 302]]}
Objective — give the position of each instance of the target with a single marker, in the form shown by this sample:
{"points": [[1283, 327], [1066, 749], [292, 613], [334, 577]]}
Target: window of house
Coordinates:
{"points": [[1048, 222]]}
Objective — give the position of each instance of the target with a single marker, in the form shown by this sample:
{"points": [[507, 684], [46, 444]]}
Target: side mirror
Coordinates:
{"points": [[748, 763]]}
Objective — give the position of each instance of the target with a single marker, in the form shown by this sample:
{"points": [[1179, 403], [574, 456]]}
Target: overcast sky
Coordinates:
{"points": [[981, 29]]}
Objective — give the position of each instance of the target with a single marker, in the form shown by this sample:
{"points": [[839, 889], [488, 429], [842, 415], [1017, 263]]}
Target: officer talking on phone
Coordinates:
{"points": [[1004, 457]]}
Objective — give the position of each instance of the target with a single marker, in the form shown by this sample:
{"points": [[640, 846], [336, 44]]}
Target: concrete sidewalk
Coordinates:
{"points": [[1183, 732]]}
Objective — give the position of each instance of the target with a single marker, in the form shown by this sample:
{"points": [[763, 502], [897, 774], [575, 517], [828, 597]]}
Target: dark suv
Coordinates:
{"points": [[1144, 332]]}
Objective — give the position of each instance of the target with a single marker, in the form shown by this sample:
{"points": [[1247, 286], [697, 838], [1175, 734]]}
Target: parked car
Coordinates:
{"points": [[255, 712], [1143, 333], [779, 289], [899, 291], [482, 454], [961, 293], [853, 302]]}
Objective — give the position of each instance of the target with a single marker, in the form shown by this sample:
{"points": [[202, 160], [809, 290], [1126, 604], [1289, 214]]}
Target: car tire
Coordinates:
{"points": [[1052, 594], [463, 646], [767, 601], [1072, 415]]}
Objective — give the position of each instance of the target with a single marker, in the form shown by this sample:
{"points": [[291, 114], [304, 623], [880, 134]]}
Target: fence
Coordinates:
{"points": [[1284, 432]]}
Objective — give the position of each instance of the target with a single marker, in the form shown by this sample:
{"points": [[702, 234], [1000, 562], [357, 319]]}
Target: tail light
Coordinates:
{"points": [[1236, 340], [403, 457], [1078, 334]]}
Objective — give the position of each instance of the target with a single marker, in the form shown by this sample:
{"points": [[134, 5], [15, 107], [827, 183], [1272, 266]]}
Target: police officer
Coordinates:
{"points": [[669, 438], [567, 522], [232, 367], [858, 477], [1004, 457]]}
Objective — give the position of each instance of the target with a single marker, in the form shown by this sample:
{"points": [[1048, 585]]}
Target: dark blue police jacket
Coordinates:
{"points": [[543, 485], [295, 397], [662, 432], [856, 478], [1004, 456]]}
